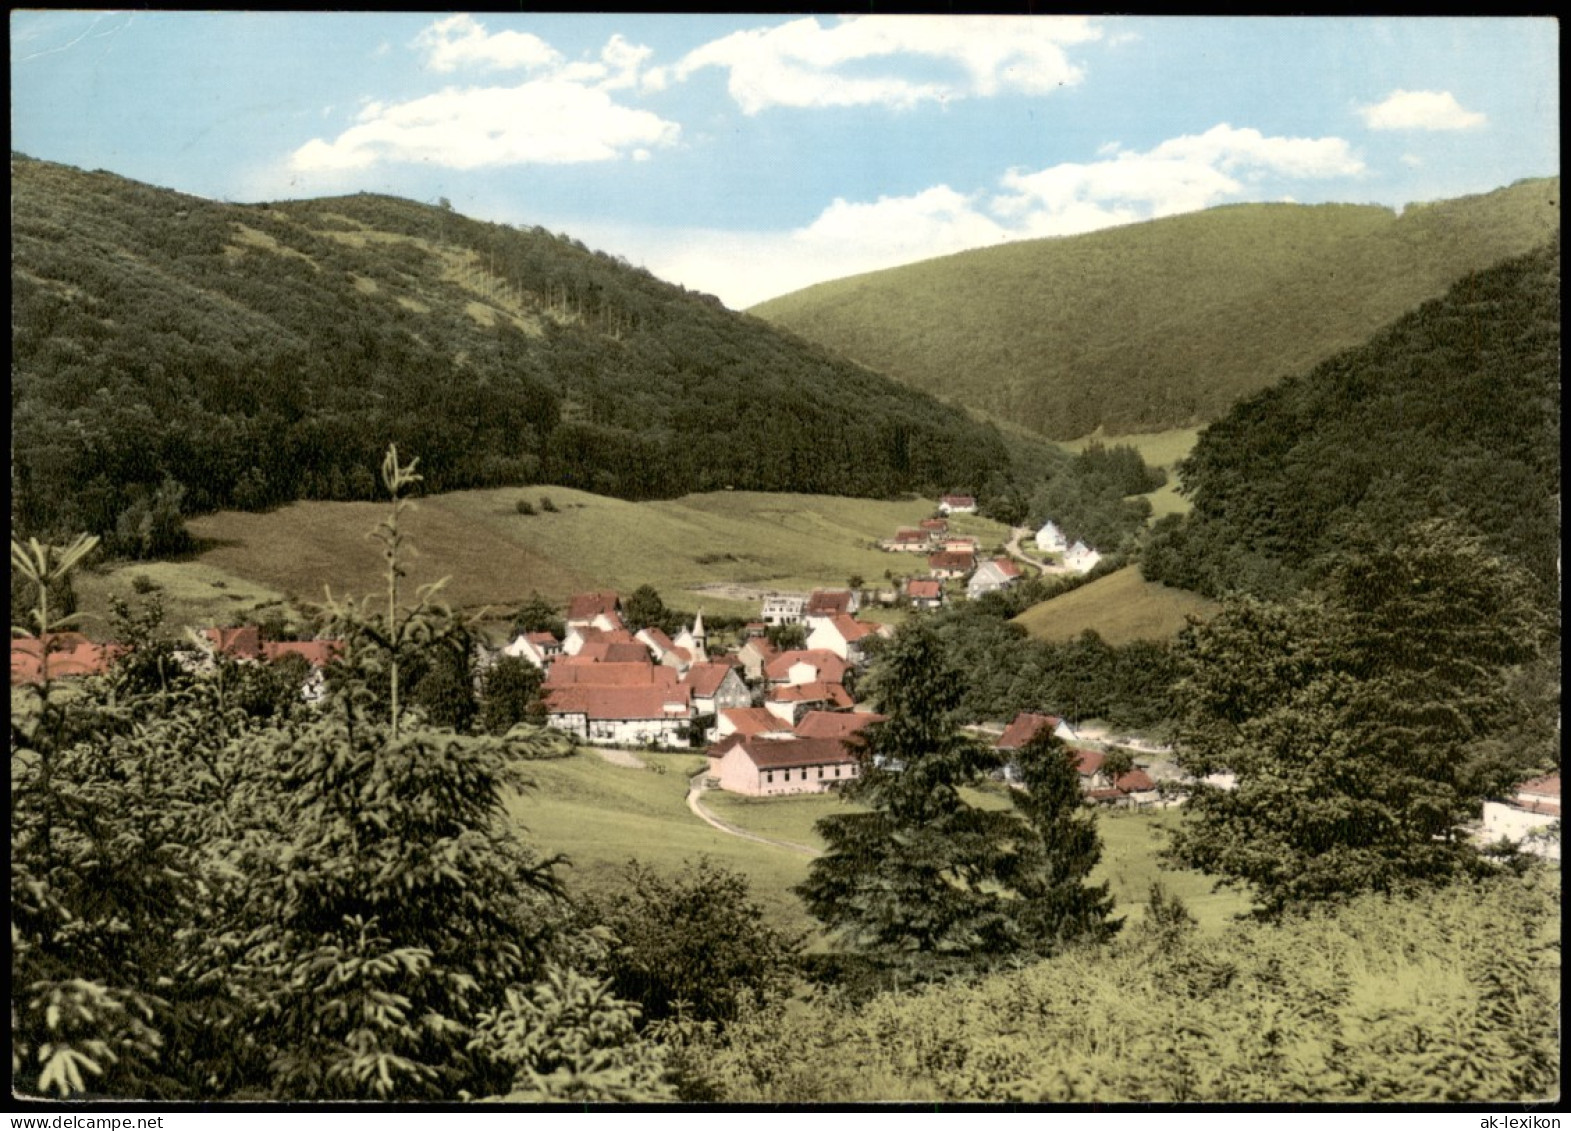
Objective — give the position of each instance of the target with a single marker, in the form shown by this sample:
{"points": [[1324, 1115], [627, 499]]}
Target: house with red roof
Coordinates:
{"points": [[908, 541], [957, 504], [539, 648], [843, 635], [65, 655], [714, 687], [991, 576], [770, 767], [750, 722], [835, 724], [783, 608], [639, 715], [1027, 725], [950, 565], [792, 701], [1530, 818], [755, 653], [935, 527], [241, 642], [601, 609], [579, 635], [570, 671], [924, 593], [826, 603], [810, 665], [662, 649]]}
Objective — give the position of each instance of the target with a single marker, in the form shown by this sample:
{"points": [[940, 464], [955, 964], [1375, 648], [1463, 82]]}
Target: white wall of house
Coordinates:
{"points": [[739, 774], [1504, 820]]}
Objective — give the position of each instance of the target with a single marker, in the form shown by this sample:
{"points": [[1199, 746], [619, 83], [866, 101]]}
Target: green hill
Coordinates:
{"points": [[1163, 324], [1453, 410], [1120, 607], [173, 354]]}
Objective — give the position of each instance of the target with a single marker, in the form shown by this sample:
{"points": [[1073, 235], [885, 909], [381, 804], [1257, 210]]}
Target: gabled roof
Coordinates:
{"points": [[761, 645], [850, 629], [951, 559], [568, 673], [318, 653], [587, 606], [828, 602], [705, 679], [959, 500], [1004, 567], [1088, 763], [924, 589], [605, 651], [1547, 786], [242, 641], [589, 634], [834, 724], [790, 753], [935, 524], [1135, 781], [81, 658], [818, 692], [906, 534], [655, 638], [829, 666], [748, 721], [618, 703], [1025, 727]]}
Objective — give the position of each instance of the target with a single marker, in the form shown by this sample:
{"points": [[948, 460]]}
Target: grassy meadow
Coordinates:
{"points": [[496, 557], [1158, 449], [1121, 607]]}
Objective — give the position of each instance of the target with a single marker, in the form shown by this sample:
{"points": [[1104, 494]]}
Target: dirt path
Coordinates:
{"points": [[1014, 550], [695, 790]]}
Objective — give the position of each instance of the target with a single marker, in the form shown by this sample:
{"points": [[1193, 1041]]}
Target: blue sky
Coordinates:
{"points": [[749, 156]]}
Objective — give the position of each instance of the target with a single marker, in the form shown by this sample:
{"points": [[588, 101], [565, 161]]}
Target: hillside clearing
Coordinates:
{"points": [[1120, 607]]}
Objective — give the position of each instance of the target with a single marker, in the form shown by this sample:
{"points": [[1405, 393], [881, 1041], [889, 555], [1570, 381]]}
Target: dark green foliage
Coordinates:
{"points": [[1357, 722], [644, 609], [262, 354], [1120, 465], [695, 945], [445, 690], [510, 686], [539, 615], [1453, 410], [926, 882], [524, 507], [786, 637]]}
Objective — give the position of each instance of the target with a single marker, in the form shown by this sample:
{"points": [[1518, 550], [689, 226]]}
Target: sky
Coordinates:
{"points": [[750, 156]]}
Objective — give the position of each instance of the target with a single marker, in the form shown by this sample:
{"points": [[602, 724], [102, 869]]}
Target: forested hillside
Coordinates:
{"points": [[1162, 324], [173, 355], [1454, 410]]}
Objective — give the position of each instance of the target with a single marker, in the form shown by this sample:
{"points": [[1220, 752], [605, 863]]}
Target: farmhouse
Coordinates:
{"points": [[823, 604], [957, 504], [749, 722], [662, 650], [766, 767], [1529, 819], [580, 635], [539, 648], [572, 673], [1027, 725], [950, 565], [907, 541], [924, 593], [991, 576], [792, 702], [640, 715]]}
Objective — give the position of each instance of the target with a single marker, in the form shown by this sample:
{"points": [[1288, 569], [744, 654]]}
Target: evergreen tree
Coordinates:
{"points": [[538, 615], [510, 687], [644, 609], [926, 880]]}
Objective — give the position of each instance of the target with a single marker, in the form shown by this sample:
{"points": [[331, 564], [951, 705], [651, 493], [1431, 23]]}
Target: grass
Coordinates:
{"points": [[1158, 449], [196, 593], [497, 557], [1121, 607], [1131, 846]]}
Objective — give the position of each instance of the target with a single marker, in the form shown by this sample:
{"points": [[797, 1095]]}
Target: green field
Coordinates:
{"points": [[497, 557], [1121, 607], [1158, 449]]}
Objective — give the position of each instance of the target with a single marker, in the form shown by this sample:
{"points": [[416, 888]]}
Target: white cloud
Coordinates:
{"points": [[1182, 174], [461, 41], [806, 64], [543, 122], [562, 114], [1420, 110]]}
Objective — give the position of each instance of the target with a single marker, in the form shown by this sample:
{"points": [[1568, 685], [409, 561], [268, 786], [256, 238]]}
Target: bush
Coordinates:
{"points": [[547, 505], [524, 506], [141, 585]]}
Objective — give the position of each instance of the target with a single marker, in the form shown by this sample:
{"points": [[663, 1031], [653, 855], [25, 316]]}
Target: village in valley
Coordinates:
{"points": [[774, 706]]}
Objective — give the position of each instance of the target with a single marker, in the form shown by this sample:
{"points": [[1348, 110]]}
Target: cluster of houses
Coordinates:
{"points": [[605, 683], [1078, 557], [950, 557]]}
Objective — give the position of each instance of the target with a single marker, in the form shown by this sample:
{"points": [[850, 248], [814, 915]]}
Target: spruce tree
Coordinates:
{"points": [[925, 880]]}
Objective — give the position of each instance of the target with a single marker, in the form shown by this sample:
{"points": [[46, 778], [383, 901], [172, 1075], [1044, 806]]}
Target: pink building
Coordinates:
{"points": [[770, 767]]}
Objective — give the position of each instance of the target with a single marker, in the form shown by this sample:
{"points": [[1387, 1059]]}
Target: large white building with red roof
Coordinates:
{"points": [[769, 767], [843, 635]]}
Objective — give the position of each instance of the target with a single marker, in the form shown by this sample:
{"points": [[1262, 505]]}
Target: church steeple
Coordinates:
{"points": [[700, 639]]}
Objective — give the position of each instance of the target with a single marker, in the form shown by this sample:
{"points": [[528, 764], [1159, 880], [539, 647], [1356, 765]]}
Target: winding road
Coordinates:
{"points": [[695, 790]]}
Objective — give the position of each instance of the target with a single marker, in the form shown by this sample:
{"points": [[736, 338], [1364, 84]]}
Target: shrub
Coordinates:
{"points": [[524, 506]]}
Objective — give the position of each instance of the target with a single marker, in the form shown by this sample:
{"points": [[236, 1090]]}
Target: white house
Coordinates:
{"points": [[950, 565], [539, 648], [991, 576], [695, 640], [781, 608], [957, 504], [924, 593], [601, 609], [1050, 539], [812, 665], [791, 702], [1530, 819], [841, 635], [826, 604], [1081, 558], [765, 767]]}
